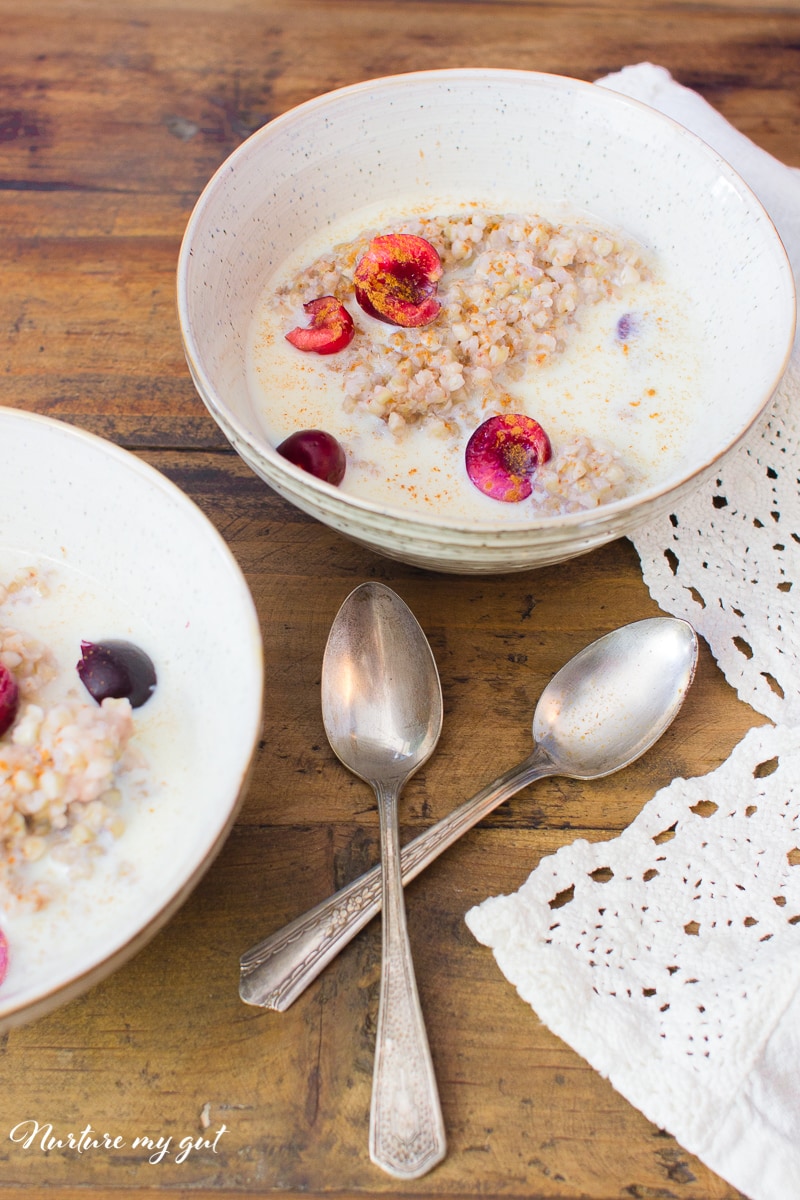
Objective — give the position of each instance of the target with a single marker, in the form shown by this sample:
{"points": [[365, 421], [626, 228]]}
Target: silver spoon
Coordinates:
{"points": [[382, 710], [602, 710]]}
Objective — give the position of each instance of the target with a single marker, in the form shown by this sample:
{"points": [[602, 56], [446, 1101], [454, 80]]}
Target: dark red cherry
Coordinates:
{"points": [[116, 669], [317, 452]]}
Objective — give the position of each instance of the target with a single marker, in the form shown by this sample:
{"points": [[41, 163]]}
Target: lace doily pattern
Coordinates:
{"points": [[728, 560], [666, 956]]}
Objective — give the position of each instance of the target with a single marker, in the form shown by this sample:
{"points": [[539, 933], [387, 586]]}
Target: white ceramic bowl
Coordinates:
{"points": [[484, 135], [133, 558]]}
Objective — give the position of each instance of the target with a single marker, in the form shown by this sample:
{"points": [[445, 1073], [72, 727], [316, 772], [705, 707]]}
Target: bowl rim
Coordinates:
{"points": [[32, 1003], [410, 519]]}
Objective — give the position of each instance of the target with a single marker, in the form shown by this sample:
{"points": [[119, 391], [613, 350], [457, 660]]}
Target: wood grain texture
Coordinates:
{"points": [[112, 118]]}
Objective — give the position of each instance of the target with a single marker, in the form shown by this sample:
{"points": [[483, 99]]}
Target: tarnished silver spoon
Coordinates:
{"points": [[602, 710], [382, 710]]}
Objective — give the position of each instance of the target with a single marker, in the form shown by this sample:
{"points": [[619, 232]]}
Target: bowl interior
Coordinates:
{"points": [[515, 141], [133, 558]]}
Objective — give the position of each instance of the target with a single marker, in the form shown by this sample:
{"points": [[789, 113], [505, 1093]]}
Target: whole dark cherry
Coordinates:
{"points": [[317, 452], [117, 670]]}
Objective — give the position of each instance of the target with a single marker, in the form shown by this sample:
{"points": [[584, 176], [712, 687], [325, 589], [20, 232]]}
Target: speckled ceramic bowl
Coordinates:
{"points": [[125, 554], [485, 134]]}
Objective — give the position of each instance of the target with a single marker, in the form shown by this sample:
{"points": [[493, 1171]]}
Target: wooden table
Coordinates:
{"points": [[113, 117]]}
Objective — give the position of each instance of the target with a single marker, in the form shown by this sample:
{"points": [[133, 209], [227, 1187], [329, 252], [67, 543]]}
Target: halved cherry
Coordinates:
{"points": [[317, 452], [397, 278], [331, 327], [503, 453], [9, 699]]}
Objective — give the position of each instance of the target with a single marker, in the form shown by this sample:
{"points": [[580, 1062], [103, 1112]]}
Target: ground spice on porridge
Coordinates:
{"points": [[512, 291]]}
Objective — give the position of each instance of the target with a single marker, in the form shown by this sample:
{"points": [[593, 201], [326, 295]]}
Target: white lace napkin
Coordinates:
{"points": [[670, 957]]}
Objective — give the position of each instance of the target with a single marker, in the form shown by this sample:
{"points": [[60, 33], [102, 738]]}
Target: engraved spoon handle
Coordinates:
{"points": [[277, 970], [406, 1134]]}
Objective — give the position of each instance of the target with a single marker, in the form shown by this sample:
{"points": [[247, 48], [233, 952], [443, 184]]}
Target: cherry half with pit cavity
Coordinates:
{"points": [[330, 330], [502, 455], [397, 278]]}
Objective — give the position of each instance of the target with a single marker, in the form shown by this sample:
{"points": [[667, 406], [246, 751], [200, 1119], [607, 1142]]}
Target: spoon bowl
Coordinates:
{"points": [[381, 694], [615, 698]]}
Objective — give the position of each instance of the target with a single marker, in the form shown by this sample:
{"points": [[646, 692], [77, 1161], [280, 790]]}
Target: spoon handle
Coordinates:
{"points": [[406, 1134], [277, 970]]}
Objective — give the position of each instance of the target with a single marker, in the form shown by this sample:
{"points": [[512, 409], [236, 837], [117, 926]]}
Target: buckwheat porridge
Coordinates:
{"points": [[79, 780], [565, 322]]}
